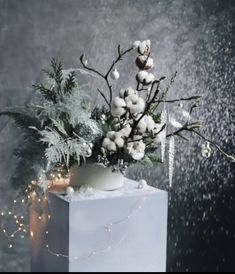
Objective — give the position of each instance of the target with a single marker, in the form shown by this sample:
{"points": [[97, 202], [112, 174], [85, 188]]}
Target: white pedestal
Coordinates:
{"points": [[122, 230]]}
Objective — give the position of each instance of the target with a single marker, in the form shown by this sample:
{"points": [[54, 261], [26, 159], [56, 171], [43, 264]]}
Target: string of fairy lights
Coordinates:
{"points": [[22, 230]]}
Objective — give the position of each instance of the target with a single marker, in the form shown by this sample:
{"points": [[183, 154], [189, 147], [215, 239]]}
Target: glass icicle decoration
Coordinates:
{"points": [[163, 139], [171, 158]]}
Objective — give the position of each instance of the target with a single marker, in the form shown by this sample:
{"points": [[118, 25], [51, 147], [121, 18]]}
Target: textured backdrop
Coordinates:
{"points": [[194, 37]]}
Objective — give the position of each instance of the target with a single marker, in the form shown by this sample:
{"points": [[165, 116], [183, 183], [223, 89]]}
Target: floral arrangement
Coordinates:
{"points": [[61, 129]]}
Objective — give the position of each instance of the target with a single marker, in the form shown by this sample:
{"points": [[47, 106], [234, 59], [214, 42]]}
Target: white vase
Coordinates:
{"points": [[96, 176]]}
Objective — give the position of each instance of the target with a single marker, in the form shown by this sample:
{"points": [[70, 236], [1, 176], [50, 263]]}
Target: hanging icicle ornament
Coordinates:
{"points": [[171, 158]]}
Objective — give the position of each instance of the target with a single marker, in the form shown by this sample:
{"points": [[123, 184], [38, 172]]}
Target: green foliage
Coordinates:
{"points": [[22, 120], [48, 94], [70, 82]]}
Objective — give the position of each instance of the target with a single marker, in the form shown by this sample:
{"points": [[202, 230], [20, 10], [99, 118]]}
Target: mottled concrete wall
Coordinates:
{"points": [[196, 38]]}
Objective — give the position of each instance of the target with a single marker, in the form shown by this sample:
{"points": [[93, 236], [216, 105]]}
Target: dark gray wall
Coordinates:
{"points": [[196, 38]]}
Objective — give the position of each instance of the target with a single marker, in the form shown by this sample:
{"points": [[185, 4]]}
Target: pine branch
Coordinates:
{"points": [[46, 93], [70, 82], [22, 120]]}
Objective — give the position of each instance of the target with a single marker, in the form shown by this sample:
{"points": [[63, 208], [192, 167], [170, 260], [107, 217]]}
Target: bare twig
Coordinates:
{"points": [[229, 157], [106, 75], [102, 94], [179, 100], [147, 108]]}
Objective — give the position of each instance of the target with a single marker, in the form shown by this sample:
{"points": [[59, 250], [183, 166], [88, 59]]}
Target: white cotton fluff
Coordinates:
{"points": [[149, 122], [119, 142], [141, 75], [135, 104], [112, 146], [144, 77], [127, 92], [118, 107], [111, 135], [143, 47], [106, 142], [109, 144], [149, 79], [117, 112], [118, 102], [126, 130], [136, 44], [142, 126]]}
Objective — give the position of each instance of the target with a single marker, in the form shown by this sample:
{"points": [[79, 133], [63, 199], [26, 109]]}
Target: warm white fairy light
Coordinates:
{"points": [[108, 228]]}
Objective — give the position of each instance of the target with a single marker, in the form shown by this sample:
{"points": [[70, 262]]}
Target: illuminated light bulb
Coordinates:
{"points": [[47, 246], [19, 228], [2, 213], [10, 246], [24, 230], [21, 225], [14, 201], [15, 217], [17, 221], [39, 217], [12, 236], [9, 212], [49, 216], [47, 232], [39, 200], [22, 217], [4, 230], [31, 234], [22, 236], [28, 196], [23, 201]]}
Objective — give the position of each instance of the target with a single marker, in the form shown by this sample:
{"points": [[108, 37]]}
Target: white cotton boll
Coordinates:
{"points": [[142, 48], [149, 122], [122, 93], [106, 142], [149, 79], [117, 112], [141, 75], [115, 74], [149, 63], [118, 102], [127, 92], [111, 135], [148, 43], [112, 146], [119, 142], [141, 105], [136, 44], [126, 130], [142, 126]]}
